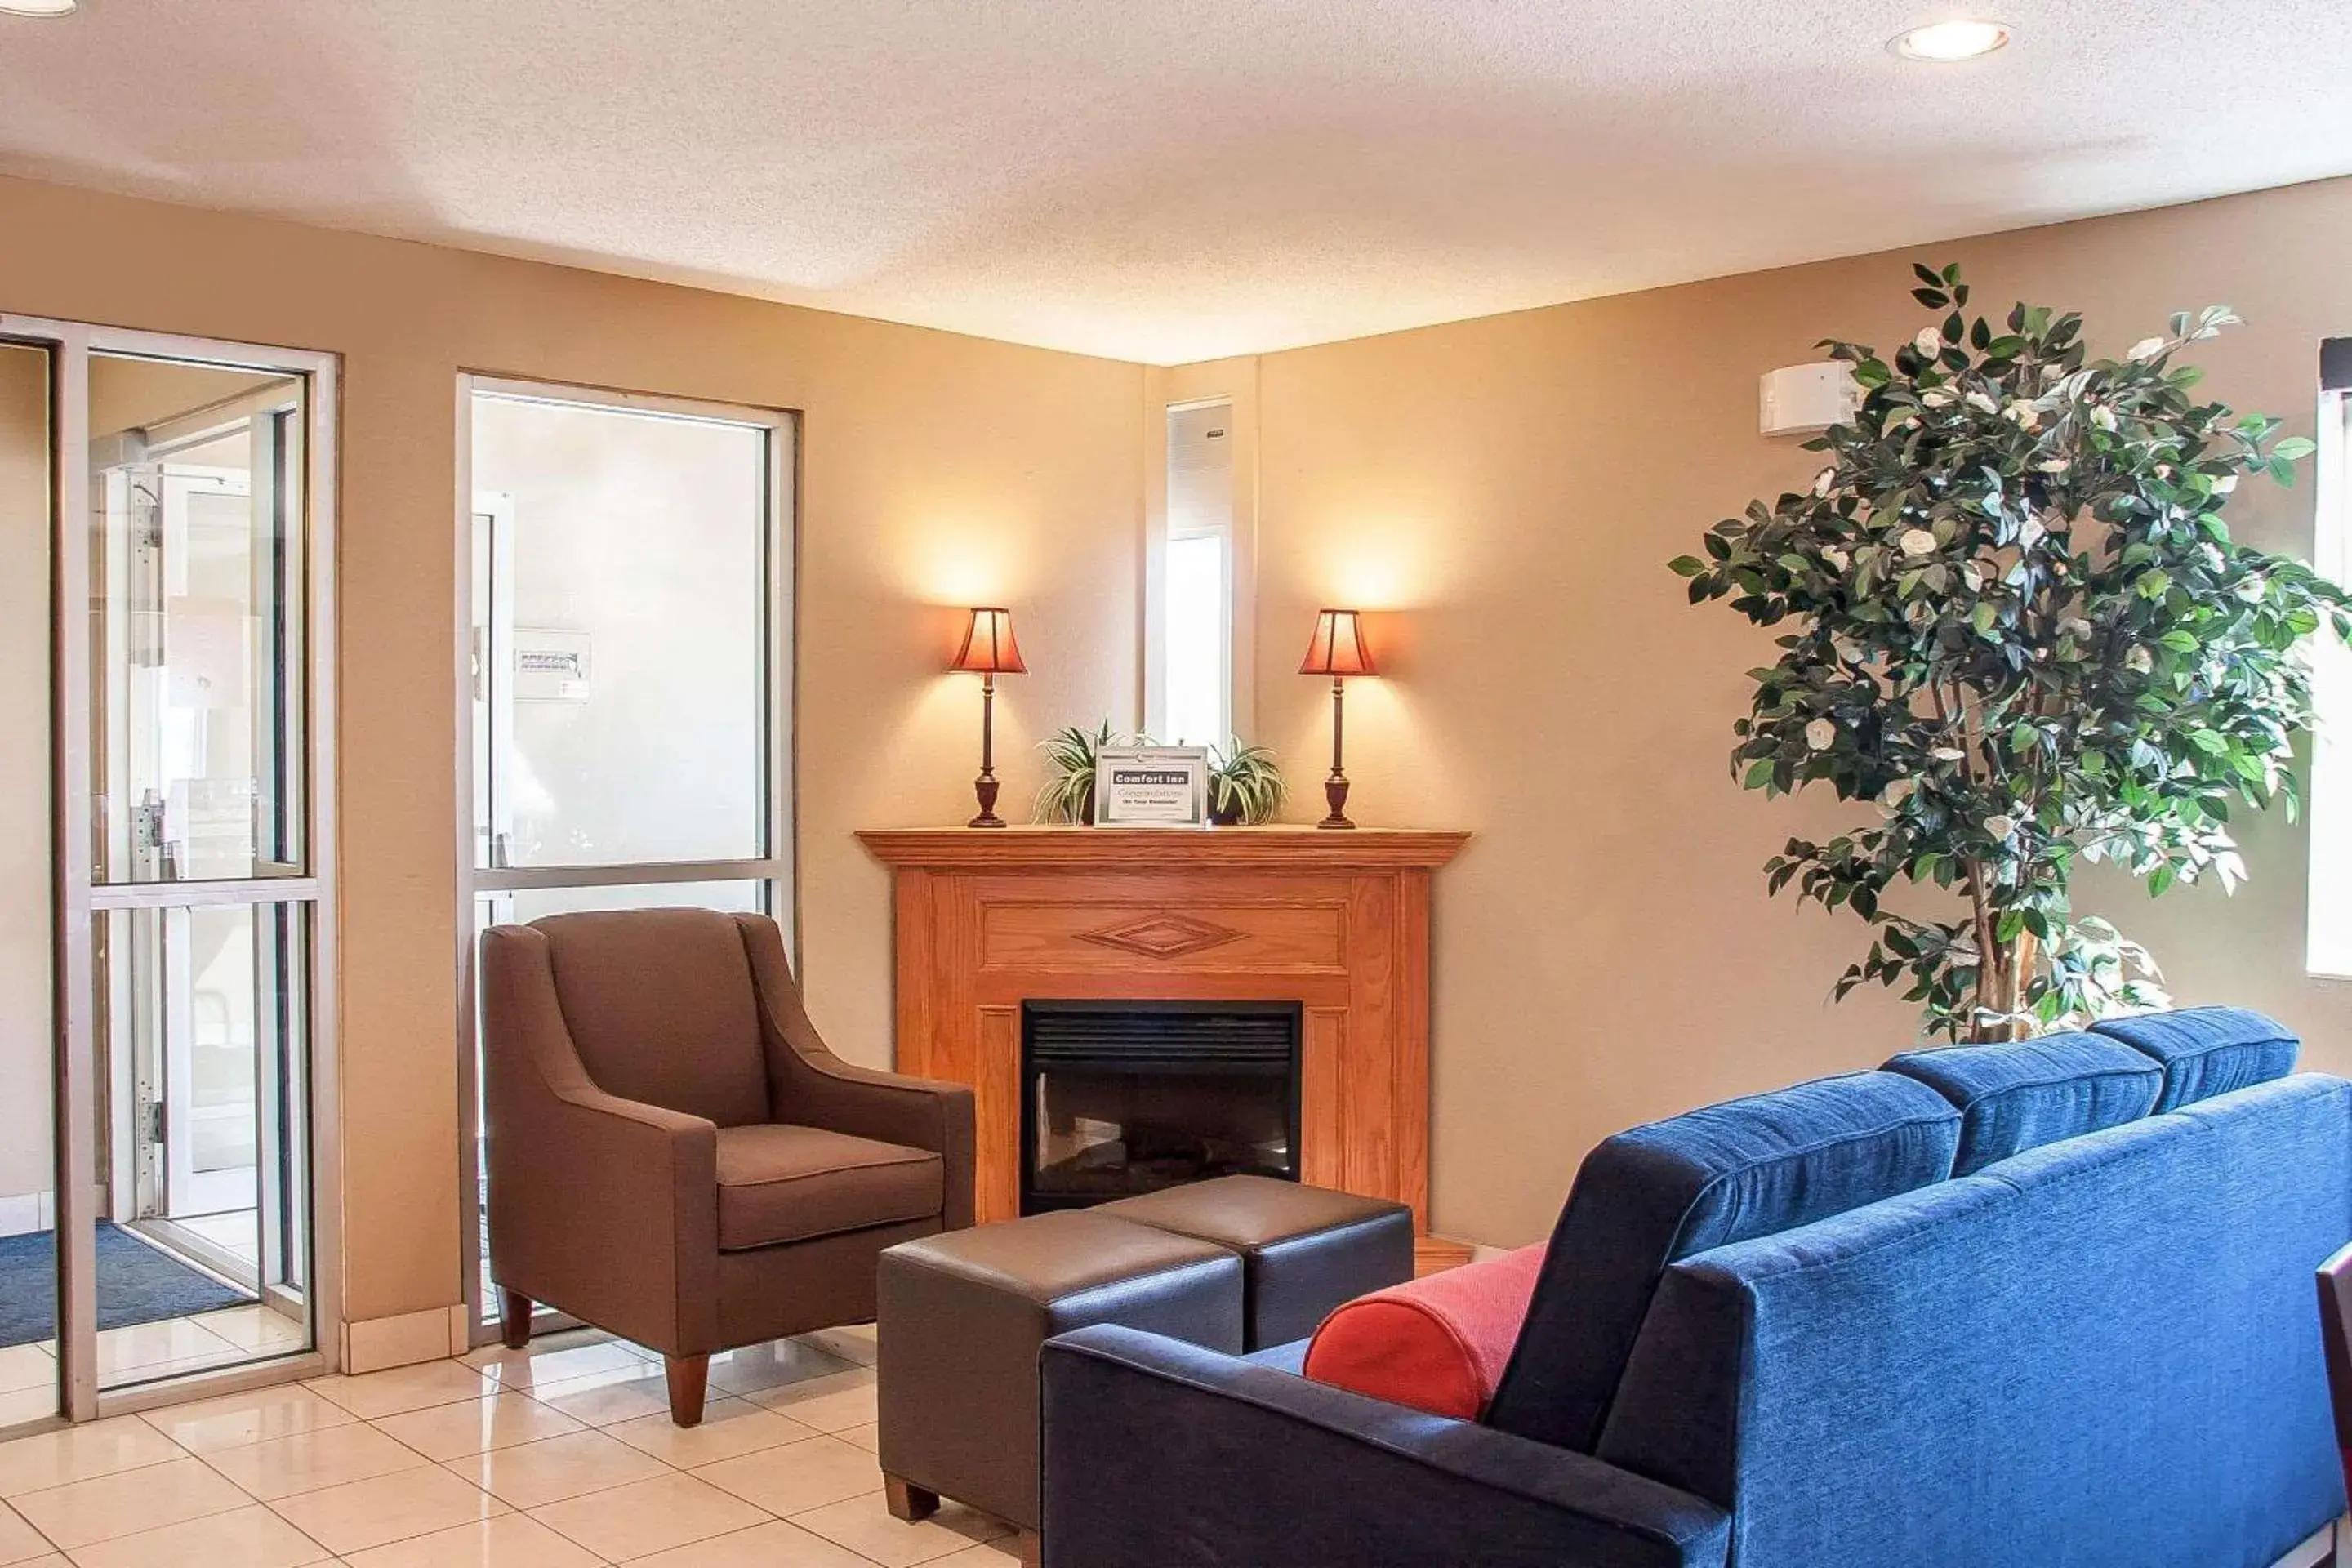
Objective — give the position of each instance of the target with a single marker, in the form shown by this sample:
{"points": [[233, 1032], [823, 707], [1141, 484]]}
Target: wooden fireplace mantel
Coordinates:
{"points": [[1337, 922]]}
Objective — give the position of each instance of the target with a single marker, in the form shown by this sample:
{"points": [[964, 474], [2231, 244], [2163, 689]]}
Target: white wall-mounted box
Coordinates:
{"points": [[1806, 399]]}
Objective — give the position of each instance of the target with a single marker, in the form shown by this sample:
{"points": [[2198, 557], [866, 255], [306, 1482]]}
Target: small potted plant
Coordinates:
{"points": [[1245, 786], [1069, 795]]}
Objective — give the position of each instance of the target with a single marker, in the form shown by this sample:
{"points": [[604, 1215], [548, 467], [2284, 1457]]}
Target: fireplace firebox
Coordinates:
{"points": [[1121, 1098]]}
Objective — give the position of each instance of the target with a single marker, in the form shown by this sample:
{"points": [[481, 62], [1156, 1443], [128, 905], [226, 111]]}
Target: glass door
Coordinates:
{"points": [[189, 779], [625, 672]]}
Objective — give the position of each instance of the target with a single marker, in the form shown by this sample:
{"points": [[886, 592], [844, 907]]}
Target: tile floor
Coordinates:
{"points": [[559, 1457], [143, 1353]]}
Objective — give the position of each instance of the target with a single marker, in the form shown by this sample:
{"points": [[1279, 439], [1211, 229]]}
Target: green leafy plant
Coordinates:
{"points": [[1244, 785], [1069, 795], [2022, 630]]}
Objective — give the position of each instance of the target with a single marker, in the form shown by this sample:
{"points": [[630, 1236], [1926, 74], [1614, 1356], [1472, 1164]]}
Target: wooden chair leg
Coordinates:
{"points": [[1033, 1550], [514, 1318], [907, 1502], [689, 1376]]}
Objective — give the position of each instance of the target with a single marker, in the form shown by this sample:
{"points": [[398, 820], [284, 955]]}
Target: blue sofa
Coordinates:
{"points": [[2046, 1303]]}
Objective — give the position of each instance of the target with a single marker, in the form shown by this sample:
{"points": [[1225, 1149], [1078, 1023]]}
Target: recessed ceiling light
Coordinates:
{"points": [[39, 7], [1944, 42]]}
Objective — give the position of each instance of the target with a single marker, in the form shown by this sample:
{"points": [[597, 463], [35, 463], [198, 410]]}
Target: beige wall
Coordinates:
{"points": [[937, 471], [1509, 489], [1512, 488], [27, 1172]]}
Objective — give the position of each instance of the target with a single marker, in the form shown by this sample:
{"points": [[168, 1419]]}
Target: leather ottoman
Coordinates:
{"points": [[1304, 1250], [960, 1317]]}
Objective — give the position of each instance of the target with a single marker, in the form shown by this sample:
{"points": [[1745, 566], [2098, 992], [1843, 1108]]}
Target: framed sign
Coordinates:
{"points": [[1151, 786]]}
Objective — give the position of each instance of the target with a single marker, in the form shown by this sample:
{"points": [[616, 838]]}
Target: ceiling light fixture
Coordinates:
{"points": [[1944, 42], [39, 7]]}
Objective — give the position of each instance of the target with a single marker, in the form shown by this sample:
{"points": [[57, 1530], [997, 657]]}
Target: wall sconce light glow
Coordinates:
{"points": [[39, 7], [1944, 42]]}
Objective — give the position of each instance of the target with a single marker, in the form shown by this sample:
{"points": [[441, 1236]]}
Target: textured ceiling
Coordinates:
{"points": [[1180, 179]]}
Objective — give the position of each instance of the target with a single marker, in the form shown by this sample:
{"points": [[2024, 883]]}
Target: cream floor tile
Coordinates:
{"points": [[509, 1541], [829, 1404], [531, 1474], [23, 1405], [476, 1426], [403, 1388], [771, 1365], [536, 1367], [797, 1477], [868, 1437], [19, 1541], [257, 1330], [312, 1461], [993, 1554], [651, 1516], [605, 1398], [77, 1453], [82, 1512], [146, 1350], [729, 1427], [775, 1544], [27, 1366], [359, 1514], [250, 1537], [257, 1416], [863, 1525], [852, 1343], [548, 1344]]}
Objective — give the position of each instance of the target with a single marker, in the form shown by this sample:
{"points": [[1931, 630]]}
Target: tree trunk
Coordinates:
{"points": [[2004, 981]]}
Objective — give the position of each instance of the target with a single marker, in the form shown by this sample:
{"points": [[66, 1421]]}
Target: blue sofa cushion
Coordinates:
{"points": [[2021, 1094], [2207, 1051], [1657, 1193], [2100, 1352]]}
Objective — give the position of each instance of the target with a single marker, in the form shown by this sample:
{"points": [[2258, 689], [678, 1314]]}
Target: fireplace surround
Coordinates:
{"points": [[1335, 924]]}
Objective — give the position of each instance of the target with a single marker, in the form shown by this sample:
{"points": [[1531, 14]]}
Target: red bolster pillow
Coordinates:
{"points": [[1438, 1343]]}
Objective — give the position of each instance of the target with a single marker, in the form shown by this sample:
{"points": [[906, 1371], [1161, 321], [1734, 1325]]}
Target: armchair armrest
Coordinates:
{"points": [[808, 1084], [605, 1207], [1162, 1455]]}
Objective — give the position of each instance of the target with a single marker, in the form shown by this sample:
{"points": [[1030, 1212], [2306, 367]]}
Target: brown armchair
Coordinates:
{"points": [[676, 1157]]}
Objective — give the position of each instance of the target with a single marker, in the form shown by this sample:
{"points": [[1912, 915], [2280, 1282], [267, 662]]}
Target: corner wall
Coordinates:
{"points": [[1512, 488]]}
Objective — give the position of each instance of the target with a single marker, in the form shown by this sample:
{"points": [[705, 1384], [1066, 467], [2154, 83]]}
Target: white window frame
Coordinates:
{"points": [[775, 868], [82, 902], [1240, 568], [2327, 922]]}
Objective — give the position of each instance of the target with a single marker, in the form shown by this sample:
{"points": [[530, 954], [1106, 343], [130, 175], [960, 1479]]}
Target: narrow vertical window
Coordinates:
{"points": [[2329, 935], [1196, 610]]}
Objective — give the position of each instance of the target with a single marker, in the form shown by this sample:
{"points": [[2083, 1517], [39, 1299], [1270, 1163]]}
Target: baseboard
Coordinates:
{"points": [[24, 1213], [2320, 1548], [374, 1344]]}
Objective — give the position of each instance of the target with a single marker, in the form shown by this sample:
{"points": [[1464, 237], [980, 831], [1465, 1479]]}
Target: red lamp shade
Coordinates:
{"points": [[1338, 647], [988, 645]]}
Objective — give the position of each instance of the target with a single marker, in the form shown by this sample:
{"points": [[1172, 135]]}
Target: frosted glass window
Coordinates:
{"points": [[621, 637]]}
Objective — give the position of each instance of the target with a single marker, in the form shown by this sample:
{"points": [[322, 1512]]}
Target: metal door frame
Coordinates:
{"points": [[79, 903]]}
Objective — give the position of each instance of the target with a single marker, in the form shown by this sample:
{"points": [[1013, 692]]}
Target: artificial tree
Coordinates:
{"points": [[2020, 628]]}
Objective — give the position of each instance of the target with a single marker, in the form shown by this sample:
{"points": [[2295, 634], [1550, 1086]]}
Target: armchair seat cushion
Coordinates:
{"points": [[781, 1183]]}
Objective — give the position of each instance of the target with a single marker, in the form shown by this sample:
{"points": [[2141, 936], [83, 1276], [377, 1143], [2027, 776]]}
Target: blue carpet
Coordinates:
{"points": [[136, 1284]]}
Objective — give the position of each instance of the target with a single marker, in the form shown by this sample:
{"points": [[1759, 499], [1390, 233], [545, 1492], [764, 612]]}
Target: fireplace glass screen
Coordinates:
{"points": [[1121, 1098]]}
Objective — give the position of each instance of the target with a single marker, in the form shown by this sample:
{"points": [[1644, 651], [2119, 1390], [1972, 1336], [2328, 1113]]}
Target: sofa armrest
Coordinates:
{"points": [[604, 1207], [809, 1085], [1162, 1455]]}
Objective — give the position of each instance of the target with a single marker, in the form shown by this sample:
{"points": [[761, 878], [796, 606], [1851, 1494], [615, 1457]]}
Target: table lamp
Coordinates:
{"points": [[988, 649], [1337, 650]]}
